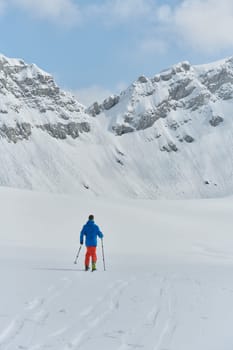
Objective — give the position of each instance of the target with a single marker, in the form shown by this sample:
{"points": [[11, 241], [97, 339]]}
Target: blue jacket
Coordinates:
{"points": [[90, 231]]}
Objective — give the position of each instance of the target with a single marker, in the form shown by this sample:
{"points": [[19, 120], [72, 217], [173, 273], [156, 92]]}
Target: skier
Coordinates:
{"points": [[90, 230]]}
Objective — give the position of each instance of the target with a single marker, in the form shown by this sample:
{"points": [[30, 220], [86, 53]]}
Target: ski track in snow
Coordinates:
{"points": [[146, 310], [105, 321], [172, 289], [32, 317]]}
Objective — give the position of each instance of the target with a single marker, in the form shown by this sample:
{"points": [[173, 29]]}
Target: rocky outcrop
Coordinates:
{"points": [[188, 138], [61, 131], [107, 104], [21, 131], [180, 88], [170, 147], [32, 94], [122, 129], [216, 120]]}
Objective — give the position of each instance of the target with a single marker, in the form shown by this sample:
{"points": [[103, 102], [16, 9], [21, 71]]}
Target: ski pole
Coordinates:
{"points": [[103, 253], [75, 261]]}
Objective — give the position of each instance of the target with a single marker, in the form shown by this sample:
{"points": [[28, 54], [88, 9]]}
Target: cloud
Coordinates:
{"points": [[3, 6], [164, 13], [91, 94], [128, 9], [120, 11], [153, 46], [72, 12], [62, 11], [96, 93], [205, 25]]}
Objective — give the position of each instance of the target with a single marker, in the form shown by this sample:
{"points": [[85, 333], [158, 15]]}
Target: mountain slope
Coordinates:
{"points": [[165, 137], [177, 127]]}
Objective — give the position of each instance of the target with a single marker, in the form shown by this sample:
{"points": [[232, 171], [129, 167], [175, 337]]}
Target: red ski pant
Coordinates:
{"points": [[90, 253]]}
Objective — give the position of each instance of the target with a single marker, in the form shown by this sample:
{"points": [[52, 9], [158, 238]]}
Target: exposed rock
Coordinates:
{"points": [[216, 120], [34, 88], [119, 161], [197, 101], [226, 91], [27, 90], [156, 79], [20, 132], [94, 109], [167, 75], [213, 80], [122, 129], [149, 92], [61, 131], [181, 89], [188, 138], [120, 153], [170, 147], [142, 79], [146, 120], [163, 109], [129, 118], [64, 116], [186, 65], [110, 102], [174, 125]]}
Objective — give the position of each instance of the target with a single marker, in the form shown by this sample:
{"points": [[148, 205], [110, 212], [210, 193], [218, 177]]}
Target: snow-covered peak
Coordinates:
{"points": [[214, 65], [18, 66], [30, 98], [11, 61], [182, 87]]}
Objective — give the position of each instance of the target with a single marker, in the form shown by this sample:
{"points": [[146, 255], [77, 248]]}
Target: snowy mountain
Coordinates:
{"points": [[169, 136], [30, 98], [182, 88]]}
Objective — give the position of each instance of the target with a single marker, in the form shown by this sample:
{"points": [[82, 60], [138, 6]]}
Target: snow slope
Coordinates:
{"points": [[167, 286], [169, 136]]}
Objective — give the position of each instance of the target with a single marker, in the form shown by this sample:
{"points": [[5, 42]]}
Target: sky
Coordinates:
{"points": [[97, 48]]}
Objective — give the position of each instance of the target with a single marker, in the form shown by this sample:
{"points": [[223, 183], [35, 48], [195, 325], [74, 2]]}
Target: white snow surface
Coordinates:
{"points": [[179, 145], [167, 285]]}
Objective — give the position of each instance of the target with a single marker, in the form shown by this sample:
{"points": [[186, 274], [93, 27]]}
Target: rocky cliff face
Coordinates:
{"points": [[180, 89], [30, 99]]}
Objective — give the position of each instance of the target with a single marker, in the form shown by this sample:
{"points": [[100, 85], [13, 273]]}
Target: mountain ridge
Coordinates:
{"points": [[167, 136]]}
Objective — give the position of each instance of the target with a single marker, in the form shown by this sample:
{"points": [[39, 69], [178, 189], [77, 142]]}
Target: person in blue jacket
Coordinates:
{"points": [[91, 231]]}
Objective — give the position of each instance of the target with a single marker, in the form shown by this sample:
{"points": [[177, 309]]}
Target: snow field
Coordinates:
{"points": [[153, 307], [167, 286]]}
